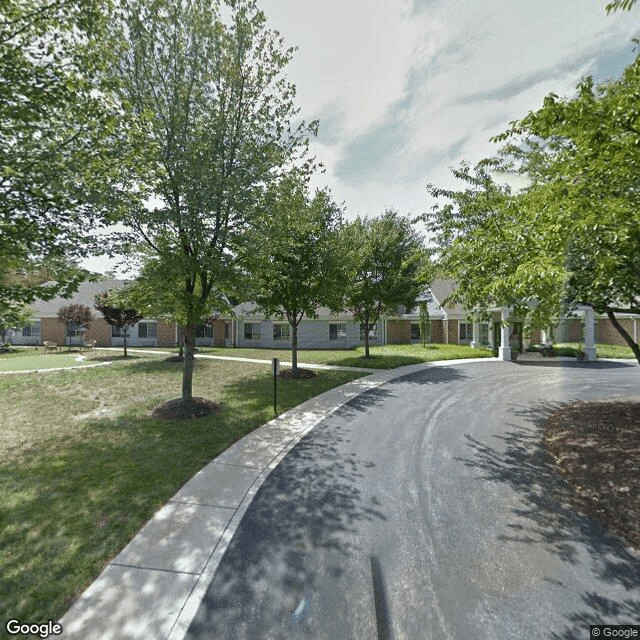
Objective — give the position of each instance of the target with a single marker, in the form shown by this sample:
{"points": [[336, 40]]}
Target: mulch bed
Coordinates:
{"points": [[596, 446], [179, 410], [303, 374]]}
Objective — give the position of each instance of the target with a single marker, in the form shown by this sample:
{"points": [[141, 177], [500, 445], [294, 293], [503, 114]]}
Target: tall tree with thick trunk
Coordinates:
{"points": [[203, 82]]}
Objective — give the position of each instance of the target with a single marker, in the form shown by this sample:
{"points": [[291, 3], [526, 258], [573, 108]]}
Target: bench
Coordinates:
{"points": [[49, 346]]}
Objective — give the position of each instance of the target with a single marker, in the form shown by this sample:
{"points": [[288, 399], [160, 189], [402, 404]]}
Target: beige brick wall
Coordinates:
{"points": [[398, 331], [437, 332], [453, 332], [218, 333], [99, 330], [52, 330], [166, 335], [608, 334]]}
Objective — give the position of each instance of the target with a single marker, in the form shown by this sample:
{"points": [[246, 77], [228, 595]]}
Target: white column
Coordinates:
{"points": [[504, 351], [476, 335], [589, 335]]}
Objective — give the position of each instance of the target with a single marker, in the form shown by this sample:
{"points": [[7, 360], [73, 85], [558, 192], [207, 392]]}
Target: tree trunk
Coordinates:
{"points": [[294, 349], [366, 338], [125, 341], [181, 342], [189, 335], [621, 330]]}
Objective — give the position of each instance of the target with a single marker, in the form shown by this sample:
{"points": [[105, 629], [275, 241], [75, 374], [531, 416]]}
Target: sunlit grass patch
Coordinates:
{"points": [[83, 466]]}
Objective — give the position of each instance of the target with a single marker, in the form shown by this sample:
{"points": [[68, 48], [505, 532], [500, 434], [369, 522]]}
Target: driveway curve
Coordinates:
{"points": [[427, 508]]}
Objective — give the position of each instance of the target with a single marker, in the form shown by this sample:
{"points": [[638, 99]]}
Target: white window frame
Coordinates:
{"points": [[33, 329], [117, 332], [468, 332], [147, 324], [255, 334], [204, 331], [285, 331], [341, 331]]}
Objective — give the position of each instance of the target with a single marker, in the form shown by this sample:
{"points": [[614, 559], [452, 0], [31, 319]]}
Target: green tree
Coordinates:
{"points": [[116, 313], [292, 255], [56, 125], [571, 237], [625, 5], [582, 154], [387, 267], [12, 317], [496, 248], [425, 324], [204, 82]]}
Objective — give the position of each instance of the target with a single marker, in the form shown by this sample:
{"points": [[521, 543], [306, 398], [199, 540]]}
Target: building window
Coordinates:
{"points": [[484, 334], [465, 331], [373, 331], [281, 331], [337, 331], [415, 331], [33, 329], [147, 330], [227, 330], [116, 332], [252, 331], [204, 331]]}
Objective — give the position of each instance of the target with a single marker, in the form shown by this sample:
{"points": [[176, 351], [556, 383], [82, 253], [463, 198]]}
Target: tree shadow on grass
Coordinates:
{"points": [[522, 462]]}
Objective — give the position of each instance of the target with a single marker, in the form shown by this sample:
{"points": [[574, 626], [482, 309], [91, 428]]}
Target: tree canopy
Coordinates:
{"points": [[292, 254], [570, 238], [214, 123], [387, 267], [56, 125]]}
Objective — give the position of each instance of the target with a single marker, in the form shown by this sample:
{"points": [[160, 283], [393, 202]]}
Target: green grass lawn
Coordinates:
{"points": [[27, 360], [602, 350], [382, 357], [83, 466]]}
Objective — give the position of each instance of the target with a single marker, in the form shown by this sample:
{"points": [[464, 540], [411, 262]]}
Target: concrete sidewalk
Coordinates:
{"points": [[152, 589]]}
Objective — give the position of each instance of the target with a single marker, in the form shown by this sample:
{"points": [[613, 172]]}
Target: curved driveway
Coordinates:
{"points": [[427, 508]]}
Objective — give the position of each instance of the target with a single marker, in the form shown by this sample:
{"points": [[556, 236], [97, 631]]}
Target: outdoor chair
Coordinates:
{"points": [[90, 344], [49, 346]]}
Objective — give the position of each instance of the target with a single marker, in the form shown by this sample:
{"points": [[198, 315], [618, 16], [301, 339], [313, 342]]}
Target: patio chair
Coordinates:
{"points": [[49, 346], [90, 344]]}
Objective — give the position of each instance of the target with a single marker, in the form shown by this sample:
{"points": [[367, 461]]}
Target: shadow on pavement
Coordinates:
{"points": [[299, 530], [522, 462]]}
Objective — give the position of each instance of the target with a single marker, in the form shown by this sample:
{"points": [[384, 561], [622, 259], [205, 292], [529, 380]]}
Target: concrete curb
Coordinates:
{"points": [[152, 589]]}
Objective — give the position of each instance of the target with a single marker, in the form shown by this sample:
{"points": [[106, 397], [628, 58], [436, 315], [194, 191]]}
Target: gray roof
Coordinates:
{"points": [[441, 290], [250, 310], [87, 291]]}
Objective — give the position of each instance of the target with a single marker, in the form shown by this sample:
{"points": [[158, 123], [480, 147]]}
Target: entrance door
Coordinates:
{"points": [[227, 334], [497, 326], [517, 327]]}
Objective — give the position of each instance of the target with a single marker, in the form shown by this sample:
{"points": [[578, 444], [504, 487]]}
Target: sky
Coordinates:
{"points": [[406, 89]]}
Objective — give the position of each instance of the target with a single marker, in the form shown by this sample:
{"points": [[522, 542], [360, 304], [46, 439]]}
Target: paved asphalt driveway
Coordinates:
{"points": [[428, 509]]}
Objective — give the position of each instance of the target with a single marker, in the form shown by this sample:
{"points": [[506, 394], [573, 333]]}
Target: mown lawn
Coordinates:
{"points": [[602, 350], [382, 357], [83, 466]]}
